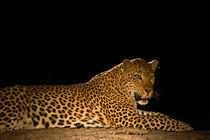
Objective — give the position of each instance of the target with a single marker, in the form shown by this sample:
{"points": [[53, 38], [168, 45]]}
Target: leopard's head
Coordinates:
{"points": [[138, 78]]}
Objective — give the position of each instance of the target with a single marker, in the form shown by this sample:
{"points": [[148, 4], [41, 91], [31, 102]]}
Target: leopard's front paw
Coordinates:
{"points": [[181, 127], [186, 127]]}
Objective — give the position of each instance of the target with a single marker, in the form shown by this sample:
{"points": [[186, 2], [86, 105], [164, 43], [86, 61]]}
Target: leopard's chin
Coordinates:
{"points": [[142, 102]]}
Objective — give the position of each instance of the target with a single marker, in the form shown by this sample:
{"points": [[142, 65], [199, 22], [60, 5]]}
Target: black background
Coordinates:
{"points": [[181, 80], [50, 49]]}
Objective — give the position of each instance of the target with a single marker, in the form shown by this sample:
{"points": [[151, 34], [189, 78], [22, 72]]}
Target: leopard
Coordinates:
{"points": [[107, 100]]}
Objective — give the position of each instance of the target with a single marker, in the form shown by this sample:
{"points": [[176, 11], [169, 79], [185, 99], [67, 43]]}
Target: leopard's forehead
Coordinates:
{"points": [[142, 65]]}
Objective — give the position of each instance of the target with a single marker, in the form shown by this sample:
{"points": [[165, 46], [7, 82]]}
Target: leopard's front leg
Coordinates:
{"points": [[155, 121], [162, 122]]}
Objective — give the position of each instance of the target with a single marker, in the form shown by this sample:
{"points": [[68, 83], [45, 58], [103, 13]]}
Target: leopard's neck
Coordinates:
{"points": [[109, 81]]}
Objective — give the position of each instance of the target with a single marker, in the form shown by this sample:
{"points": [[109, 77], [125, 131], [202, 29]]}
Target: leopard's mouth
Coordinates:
{"points": [[141, 100]]}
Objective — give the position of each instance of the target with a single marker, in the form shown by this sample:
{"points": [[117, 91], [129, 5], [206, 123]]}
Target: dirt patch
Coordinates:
{"points": [[102, 134]]}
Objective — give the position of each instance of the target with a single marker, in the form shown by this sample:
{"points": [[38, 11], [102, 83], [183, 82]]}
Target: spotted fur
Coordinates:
{"points": [[109, 99]]}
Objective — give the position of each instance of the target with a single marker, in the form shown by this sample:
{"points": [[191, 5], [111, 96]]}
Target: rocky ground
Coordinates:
{"points": [[102, 134]]}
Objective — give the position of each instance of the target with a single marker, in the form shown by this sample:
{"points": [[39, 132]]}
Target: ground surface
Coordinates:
{"points": [[102, 134]]}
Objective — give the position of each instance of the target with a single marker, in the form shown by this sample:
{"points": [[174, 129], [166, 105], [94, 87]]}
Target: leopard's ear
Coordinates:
{"points": [[154, 64], [128, 66]]}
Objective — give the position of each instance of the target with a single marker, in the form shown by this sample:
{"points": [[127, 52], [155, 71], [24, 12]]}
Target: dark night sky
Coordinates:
{"points": [[180, 79]]}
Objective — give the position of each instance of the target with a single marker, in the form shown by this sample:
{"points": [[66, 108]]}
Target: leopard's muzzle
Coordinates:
{"points": [[140, 100]]}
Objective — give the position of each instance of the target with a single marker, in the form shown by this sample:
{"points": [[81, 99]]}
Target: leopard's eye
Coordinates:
{"points": [[139, 77]]}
